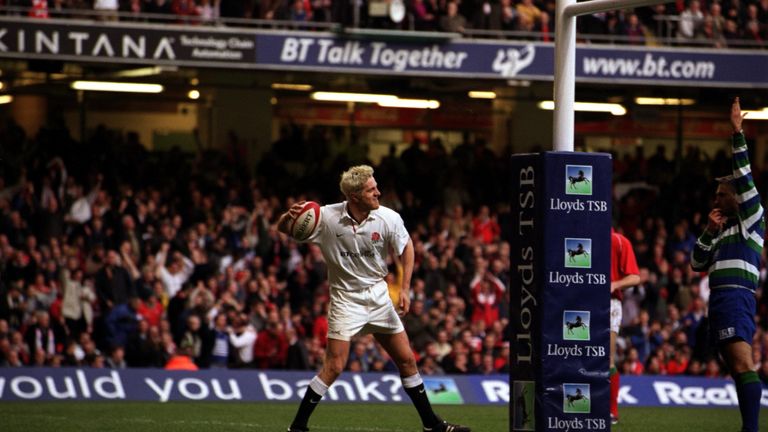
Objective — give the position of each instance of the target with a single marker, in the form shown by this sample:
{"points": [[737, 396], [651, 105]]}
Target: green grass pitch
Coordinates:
{"points": [[354, 417]]}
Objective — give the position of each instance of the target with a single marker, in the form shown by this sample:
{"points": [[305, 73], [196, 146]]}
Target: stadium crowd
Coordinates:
{"points": [[716, 23], [112, 256]]}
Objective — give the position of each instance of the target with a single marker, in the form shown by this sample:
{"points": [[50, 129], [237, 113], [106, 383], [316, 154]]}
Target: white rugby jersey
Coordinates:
{"points": [[356, 253]]}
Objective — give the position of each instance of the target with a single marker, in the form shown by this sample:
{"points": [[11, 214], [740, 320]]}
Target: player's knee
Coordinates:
{"points": [[334, 368], [741, 364], [407, 364]]}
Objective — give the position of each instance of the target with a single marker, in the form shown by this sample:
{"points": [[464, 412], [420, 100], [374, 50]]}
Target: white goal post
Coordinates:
{"points": [[565, 60]]}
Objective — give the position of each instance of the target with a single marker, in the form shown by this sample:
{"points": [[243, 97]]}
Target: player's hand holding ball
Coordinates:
{"points": [[305, 218]]}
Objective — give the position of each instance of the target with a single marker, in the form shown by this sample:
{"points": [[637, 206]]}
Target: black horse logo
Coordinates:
{"points": [[440, 389], [577, 179], [575, 397], [521, 405], [576, 324], [573, 253]]}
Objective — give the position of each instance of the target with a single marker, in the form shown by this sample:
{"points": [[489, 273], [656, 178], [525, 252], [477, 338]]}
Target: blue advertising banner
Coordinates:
{"points": [[574, 300], [560, 291], [680, 391], [222, 47], [525, 282], [51, 384], [519, 60], [45, 384]]}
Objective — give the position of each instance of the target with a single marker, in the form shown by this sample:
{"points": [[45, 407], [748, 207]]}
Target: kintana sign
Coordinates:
{"points": [[134, 43]]}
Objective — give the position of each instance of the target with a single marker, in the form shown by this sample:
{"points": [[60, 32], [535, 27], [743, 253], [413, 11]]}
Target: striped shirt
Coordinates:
{"points": [[732, 258]]}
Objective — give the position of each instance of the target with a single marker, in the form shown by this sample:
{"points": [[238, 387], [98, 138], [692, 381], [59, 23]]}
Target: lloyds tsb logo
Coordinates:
{"points": [[576, 325], [578, 180], [576, 398], [578, 253]]}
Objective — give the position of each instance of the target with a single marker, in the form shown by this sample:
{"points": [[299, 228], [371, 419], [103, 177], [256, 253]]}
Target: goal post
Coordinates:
{"points": [[560, 256], [565, 60]]}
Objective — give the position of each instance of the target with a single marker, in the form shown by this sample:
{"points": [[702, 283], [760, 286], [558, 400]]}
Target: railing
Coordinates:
{"points": [[144, 17], [664, 34]]}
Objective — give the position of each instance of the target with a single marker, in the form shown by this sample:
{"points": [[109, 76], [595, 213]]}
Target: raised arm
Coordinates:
{"points": [[750, 210]]}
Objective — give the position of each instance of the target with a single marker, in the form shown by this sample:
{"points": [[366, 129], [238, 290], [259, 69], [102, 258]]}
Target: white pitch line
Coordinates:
{"points": [[253, 425]]}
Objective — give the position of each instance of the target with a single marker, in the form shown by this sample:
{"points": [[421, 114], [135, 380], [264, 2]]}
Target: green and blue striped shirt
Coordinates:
{"points": [[732, 257]]}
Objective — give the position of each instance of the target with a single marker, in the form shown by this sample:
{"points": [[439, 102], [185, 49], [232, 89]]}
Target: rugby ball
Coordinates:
{"points": [[306, 222]]}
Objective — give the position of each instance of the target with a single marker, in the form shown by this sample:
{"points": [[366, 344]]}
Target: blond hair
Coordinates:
{"points": [[353, 179]]}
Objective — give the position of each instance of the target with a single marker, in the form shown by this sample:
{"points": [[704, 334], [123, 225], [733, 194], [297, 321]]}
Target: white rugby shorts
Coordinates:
{"points": [[616, 313], [364, 311]]}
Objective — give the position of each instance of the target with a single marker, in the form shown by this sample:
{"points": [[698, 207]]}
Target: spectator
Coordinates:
{"points": [[487, 292], [732, 33], [133, 9], [158, 7], [634, 30], [717, 20], [77, 299], [484, 226], [321, 11], [209, 10], [691, 21], [220, 351], [116, 359], [143, 347], [299, 12], [182, 360], [178, 271], [528, 12], [122, 321], [43, 338], [113, 283], [271, 348], [186, 11], [452, 21], [712, 35], [272, 9], [80, 211], [508, 15], [632, 364], [107, 9], [243, 338], [39, 9]]}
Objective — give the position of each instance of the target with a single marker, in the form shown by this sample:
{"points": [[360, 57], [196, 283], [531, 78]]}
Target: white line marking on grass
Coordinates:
{"points": [[192, 422], [252, 425], [357, 429]]}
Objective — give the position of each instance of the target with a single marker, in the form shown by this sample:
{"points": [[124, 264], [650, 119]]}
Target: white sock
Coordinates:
{"points": [[318, 386], [412, 381]]}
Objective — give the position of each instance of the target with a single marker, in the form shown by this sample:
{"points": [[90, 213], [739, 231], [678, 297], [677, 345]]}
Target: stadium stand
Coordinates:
{"points": [[111, 255], [111, 252], [739, 24]]}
